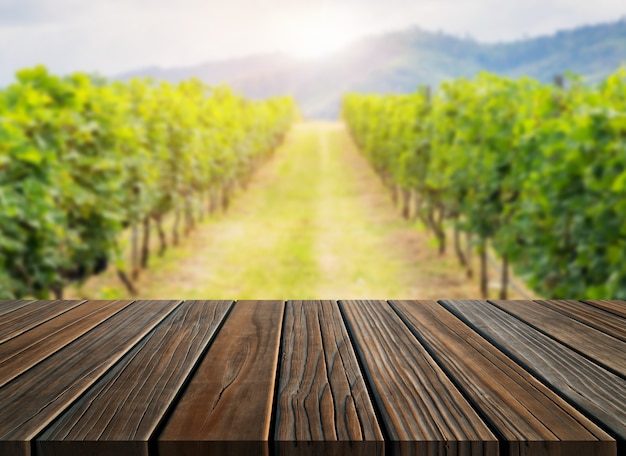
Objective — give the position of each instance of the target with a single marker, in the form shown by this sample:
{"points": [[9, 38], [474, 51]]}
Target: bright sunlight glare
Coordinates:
{"points": [[317, 35]]}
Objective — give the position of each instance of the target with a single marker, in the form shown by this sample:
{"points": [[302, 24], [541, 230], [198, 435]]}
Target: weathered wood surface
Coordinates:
{"points": [[592, 316], [10, 306], [417, 401], [600, 393], [19, 354], [130, 401], [526, 413], [312, 377], [230, 397], [614, 306], [322, 396], [591, 342], [34, 399], [23, 318]]}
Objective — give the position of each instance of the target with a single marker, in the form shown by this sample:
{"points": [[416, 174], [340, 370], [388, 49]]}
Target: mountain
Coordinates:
{"points": [[401, 61]]}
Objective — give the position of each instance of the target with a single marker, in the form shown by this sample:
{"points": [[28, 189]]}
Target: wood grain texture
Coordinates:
{"points": [[422, 410], [615, 306], [34, 399], [323, 406], [599, 346], [531, 418], [229, 399], [23, 318], [129, 402], [7, 306], [172, 378], [22, 352], [590, 315], [598, 392]]}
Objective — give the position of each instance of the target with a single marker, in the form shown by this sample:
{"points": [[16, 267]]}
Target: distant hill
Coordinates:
{"points": [[401, 61]]}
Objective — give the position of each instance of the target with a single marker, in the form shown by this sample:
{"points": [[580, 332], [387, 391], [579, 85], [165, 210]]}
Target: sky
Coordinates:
{"points": [[115, 36]]}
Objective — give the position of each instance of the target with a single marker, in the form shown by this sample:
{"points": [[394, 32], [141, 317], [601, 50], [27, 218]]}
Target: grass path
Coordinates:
{"points": [[315, 223]]}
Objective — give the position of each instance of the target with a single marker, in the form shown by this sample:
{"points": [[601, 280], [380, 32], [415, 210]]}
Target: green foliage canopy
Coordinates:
{"points": [[80, 159], [538, 170]]}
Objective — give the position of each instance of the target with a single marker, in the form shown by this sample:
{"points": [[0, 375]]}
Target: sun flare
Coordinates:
{"points": [[316, 36]]}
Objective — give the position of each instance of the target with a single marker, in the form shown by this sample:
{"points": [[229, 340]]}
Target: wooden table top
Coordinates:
{"points": [[312, 377]]}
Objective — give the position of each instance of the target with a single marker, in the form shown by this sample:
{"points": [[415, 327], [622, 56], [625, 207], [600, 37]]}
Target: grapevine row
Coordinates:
{"points": [[535, 170], [82, 159]]}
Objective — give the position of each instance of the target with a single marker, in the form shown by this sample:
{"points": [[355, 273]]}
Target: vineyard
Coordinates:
{"points": [[98, 175], [83, 161], [537, 172]]}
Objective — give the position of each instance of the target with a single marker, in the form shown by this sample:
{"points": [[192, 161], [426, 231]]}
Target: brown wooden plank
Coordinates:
{"points": [[22, 352], [531, 418], [614, 306], [421, 408], [37, 397], [7, 306], [597, 345], [590, 315], [35, 313], [129, 402], [322, 396], [600, 394], [229, 399]]}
